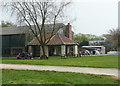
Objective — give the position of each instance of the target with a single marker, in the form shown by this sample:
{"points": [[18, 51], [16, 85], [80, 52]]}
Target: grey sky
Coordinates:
{"points": [[95, 17], [92, 16]]}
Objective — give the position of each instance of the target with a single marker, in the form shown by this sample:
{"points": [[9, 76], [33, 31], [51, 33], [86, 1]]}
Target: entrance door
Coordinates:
{"points": [[51, 50], [36, 51]]}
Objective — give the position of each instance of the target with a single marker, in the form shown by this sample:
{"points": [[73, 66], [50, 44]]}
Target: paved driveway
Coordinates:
{"points": [[99, 71]]}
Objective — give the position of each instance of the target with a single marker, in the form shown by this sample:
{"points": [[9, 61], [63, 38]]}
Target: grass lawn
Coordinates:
{"points": [[52, 77], [106, 61]]}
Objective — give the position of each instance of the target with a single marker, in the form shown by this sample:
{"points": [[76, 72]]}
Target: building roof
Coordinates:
{"points": [[103, 39], [92, 46], [13, 30], [25, 29], [55, 40], [97, 41]]}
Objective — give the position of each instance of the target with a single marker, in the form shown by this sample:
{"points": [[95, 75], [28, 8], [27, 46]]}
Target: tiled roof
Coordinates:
{"points": [[55, 40]]}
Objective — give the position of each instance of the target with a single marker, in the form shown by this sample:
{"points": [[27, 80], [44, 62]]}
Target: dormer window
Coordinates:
{"points": [[60, 31]]}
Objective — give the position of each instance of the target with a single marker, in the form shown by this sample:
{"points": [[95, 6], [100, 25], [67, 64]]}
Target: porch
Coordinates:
{"points": [[54, 50], [59, 45]]}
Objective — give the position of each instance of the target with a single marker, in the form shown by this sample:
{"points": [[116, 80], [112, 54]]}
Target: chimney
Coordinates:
{"points": [[69, 31]]}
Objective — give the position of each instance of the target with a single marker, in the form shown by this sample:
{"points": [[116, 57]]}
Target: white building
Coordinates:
{"points": [[101, 49], [97, 42]]}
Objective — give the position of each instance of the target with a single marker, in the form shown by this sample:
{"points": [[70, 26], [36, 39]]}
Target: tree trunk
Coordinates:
{"points": [[44, 56]]}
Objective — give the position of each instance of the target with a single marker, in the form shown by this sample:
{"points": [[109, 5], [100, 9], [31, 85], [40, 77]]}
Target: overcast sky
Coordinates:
{"points": [[92, 16], [95, 16]]}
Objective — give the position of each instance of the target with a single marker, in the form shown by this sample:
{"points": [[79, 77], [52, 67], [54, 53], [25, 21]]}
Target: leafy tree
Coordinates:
{"points": [[85, 37], [6, 24], [83, 43]]}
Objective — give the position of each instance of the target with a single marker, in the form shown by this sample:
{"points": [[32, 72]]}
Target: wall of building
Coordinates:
{"points": [[9, 41]]}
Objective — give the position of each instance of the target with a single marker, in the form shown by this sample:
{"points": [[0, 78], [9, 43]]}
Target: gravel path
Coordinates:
{"points": [[99, 71]]}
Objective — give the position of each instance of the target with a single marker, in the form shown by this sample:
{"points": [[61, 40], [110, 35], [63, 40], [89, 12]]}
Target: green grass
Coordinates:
{"points": [[52, 77], [106, 61]]}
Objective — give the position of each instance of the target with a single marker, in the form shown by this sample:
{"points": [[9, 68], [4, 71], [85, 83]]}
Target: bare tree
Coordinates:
{"points": [[115, 34], [36, 14]]}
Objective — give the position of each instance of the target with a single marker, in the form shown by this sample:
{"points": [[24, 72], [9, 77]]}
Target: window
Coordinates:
{"points": [[16, 50]]}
